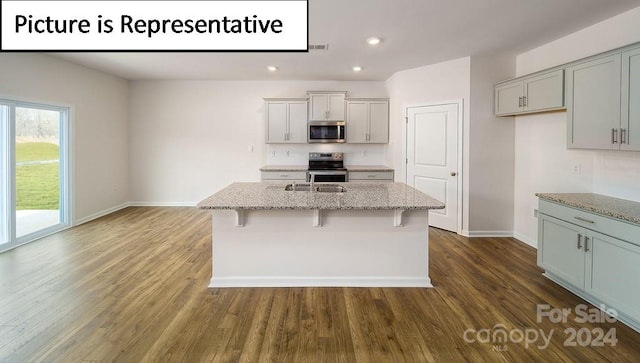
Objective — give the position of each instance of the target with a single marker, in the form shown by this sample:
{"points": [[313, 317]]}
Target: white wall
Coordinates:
{"points": [[447, 81], [491, 150], [542, 161], [189, 139], [100, 103]]}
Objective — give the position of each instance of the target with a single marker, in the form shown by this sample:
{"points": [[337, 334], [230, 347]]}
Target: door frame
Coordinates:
{"points": [[461, 175], [67, 162]]}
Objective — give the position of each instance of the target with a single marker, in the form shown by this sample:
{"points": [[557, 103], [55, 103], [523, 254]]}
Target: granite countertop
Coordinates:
{"points": [[359, 196], [623, 209], [284, 168]]}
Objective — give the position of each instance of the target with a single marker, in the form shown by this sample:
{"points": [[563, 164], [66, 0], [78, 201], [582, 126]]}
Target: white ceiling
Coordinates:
{"points": [[414, 32]]}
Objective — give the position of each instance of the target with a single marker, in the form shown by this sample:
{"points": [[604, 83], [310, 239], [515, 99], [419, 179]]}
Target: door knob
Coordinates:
{"points": [[453, 173]]}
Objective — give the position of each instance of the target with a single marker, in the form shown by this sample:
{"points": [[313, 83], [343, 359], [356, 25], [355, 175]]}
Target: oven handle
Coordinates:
{"points": [[327, 172]]}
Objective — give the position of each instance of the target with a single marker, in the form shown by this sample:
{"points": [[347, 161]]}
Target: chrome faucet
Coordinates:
{"points": [[312, 179], [294, 186]]}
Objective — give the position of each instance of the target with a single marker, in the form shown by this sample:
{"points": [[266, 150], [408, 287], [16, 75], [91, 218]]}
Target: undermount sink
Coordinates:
{"points": [[322, 188]]}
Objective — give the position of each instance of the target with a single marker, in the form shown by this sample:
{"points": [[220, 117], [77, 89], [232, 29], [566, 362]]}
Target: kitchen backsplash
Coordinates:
{"points": [[290, 154]]}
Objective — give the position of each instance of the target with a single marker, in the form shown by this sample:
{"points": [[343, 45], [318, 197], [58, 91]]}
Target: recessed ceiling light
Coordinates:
{"points": [[272, 68], [374, 41], [356, 68]]}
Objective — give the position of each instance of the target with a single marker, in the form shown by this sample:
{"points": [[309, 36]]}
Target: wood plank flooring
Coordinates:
{"points": [[132, 287]]}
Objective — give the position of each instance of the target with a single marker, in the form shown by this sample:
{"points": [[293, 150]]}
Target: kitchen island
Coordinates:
{"points": [[348, 234]]}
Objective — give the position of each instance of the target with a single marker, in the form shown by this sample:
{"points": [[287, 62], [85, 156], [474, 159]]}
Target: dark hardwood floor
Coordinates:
{"points": [[132, 287]]}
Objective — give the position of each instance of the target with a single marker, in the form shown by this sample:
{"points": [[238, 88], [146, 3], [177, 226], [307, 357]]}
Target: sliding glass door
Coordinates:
{"points": [[35, 171]]}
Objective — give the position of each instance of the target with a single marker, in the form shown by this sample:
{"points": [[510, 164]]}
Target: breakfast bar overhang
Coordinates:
{"points": [[367, 235]]}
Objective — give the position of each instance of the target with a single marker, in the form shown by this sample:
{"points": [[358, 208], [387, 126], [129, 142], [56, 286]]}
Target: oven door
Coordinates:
{"points": [[332, 176]]}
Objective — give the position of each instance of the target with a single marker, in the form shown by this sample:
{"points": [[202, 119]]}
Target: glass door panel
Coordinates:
{"points": [[5, 195], [37, 169]]}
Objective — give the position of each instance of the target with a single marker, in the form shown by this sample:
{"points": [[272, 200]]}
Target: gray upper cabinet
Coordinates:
{"points": [[286, 120], [593, 104], [603, 102], [368, 120], [326, 106], [537, 93], [630, 121]]}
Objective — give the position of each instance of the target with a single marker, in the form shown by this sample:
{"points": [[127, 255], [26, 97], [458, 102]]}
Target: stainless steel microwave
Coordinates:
{"points": [[326, 132]]}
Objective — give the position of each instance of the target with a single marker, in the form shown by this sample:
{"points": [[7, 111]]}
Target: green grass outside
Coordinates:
{"points": [[37, 186], [33, 151]]}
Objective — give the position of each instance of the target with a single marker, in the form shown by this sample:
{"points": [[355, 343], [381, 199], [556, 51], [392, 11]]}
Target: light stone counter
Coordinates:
{"points": [[284, 168], [359, 196], [596, 203]]}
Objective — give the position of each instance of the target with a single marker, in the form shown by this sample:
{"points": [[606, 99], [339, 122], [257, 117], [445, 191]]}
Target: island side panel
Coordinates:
{"points": [[351, 248]]}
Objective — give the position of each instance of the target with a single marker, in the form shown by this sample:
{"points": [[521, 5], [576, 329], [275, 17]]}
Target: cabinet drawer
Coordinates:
{"points": [[370, 175], [284, 175], [612, 227]]}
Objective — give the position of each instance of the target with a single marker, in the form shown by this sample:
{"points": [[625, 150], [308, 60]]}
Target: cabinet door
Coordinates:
{"points": [[593, 104], [371, 176], [508, 98], [378, 122], [357, 128], [544, 92], [630, 125], [318, 106], [276, 115], [297, 119], [335, 107], [613, 268], [560, 249]]}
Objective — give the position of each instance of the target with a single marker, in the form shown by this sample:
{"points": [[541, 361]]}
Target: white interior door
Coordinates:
{"points": [[432, 158]]}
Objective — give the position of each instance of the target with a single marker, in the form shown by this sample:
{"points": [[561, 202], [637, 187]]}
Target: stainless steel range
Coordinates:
{"points": [[327, 167]]}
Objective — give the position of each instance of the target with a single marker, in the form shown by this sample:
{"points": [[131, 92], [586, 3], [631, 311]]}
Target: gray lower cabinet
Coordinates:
{"points": [[596, 257], [298, 176], [371, 176]]}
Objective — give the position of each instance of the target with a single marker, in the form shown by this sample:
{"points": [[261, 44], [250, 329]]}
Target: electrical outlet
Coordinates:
{"points": [[287, 153], [273, 153], [577, 169]]}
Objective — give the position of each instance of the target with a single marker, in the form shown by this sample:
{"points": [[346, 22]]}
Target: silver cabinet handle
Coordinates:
{"points": [[453, 173], [519, 101], [524, 101], [586, 244], [614, 136], [584, 220], [579, 238], [623, 136]]}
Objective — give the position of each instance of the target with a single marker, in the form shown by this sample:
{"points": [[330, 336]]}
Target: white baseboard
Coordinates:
{"points": [[290, 281], [526, 239], [490, 234], [162, 204], [97, 215]]}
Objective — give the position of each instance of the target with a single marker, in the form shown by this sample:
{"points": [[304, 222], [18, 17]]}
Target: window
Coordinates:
{"points": [[34, 182]]}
